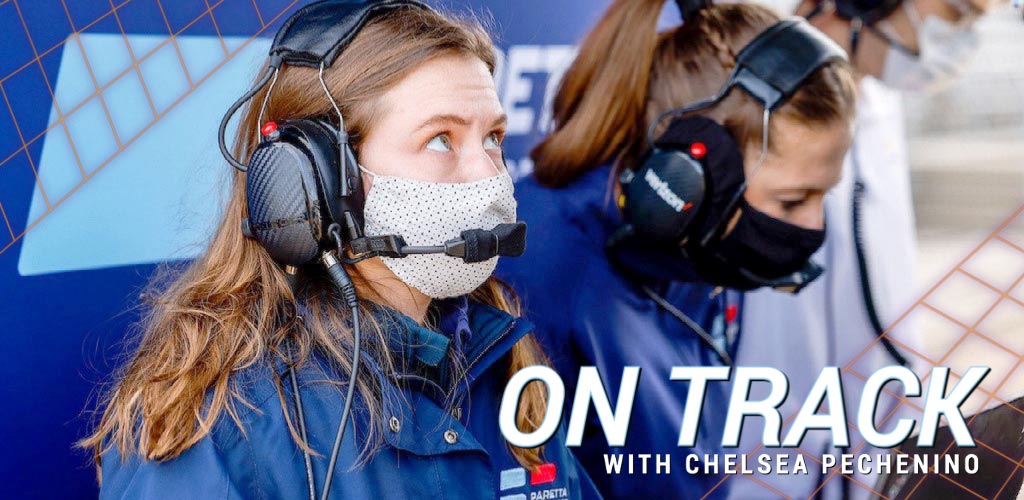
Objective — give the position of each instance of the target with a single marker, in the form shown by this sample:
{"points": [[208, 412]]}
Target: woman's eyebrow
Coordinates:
{"points": [[456, 120]]}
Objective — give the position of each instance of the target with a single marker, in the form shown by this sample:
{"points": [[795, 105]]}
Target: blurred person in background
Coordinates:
{"points": [[870, 250], [633, 301]]}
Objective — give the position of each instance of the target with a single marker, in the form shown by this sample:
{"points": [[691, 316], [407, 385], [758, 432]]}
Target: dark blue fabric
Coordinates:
{"points": [[414, 462], [588, 312]]}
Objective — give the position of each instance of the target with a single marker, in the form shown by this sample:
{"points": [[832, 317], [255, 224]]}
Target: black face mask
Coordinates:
{"points": [[759, 248]]}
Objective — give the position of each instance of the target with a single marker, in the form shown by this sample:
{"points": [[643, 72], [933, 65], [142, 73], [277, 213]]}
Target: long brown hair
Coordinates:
{"points": [[626, 74], [232, 308]]}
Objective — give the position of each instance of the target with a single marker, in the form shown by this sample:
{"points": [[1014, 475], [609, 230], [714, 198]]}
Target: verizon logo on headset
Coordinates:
{"points": [[661, 188]]}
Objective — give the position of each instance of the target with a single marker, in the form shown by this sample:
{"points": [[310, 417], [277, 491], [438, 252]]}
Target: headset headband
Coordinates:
{"points": [[318, 32], [772, 67], [313, 37]]}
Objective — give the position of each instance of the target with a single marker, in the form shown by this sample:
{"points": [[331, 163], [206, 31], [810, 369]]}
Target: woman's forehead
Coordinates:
{"points": [[449, 85]]}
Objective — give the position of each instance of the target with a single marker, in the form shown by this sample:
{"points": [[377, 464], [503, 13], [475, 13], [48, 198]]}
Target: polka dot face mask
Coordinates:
{"points": [[431, 213]]}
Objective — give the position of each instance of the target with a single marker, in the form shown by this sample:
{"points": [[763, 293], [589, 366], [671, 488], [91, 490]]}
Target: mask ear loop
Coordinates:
{"points": [[366, 171]]}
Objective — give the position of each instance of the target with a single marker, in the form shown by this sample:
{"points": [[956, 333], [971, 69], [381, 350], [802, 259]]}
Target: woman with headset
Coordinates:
{"points": [[246, 367], [683, 165]]}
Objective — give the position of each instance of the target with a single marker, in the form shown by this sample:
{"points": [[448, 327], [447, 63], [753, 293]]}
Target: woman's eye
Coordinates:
{"points": [[440, 143], [492, 141], [792, 204]]}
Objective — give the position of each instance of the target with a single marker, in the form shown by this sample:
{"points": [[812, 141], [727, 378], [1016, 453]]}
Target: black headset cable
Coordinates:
{"points": [[689, 323]]}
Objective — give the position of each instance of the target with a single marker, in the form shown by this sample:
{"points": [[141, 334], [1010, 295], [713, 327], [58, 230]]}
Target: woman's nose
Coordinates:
{"points": [[812, 216], [477, 163]]}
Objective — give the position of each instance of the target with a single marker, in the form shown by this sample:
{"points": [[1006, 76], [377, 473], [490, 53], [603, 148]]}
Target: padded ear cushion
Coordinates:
{"points": [[319, 141], [665, 195], [320, 31]]}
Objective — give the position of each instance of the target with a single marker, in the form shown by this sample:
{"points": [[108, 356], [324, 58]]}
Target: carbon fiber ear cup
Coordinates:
{"points": [[284, 206], [664, 196], [292, 189]]}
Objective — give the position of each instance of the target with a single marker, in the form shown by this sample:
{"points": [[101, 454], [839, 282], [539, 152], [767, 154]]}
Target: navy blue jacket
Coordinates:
{"points": [[420, 456], [590, 311]]}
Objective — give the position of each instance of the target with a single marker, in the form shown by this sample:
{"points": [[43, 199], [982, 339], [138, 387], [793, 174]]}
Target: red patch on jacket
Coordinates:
{"points": [[544, 473]]}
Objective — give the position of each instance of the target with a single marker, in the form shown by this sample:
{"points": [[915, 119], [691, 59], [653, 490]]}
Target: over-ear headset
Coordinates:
{"points": [[303, 182], [666, 198]]}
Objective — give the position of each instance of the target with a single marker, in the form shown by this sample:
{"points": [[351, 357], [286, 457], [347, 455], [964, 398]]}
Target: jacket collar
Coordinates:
{"points": [[479, 333], [483, 334]]}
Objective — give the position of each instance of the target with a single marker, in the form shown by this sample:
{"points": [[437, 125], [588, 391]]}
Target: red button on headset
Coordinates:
{"points": [[269, 128], [698, 150]]}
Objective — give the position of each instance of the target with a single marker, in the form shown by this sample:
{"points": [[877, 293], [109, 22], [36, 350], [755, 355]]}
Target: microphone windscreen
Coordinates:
{"points": [[481, 245], [511, 239], [507, 240]]}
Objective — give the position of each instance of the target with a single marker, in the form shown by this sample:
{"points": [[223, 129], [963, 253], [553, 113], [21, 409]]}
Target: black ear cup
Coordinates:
{"points": [[695, 168], [293, 190], [284, 205], [664, 196]]}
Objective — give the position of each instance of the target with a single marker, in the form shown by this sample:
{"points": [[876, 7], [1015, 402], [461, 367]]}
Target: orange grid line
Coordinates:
{"points": [[216, 28], [134, 66], [96, 85], [135, 62], [768, 487], [175, 41], [979, 280], [147, 127], [259, 15], [955, 346], [1003, 295], [935, 287], [60, 43], [894, 411], [49, 88], [968, 490], [849, 367], [1008, 242], [4, 213], [991, 396], [22, 138], [997, 452], [969, 422], [1008, 479], [725, 478], [834, 472], [1015, 299]]}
